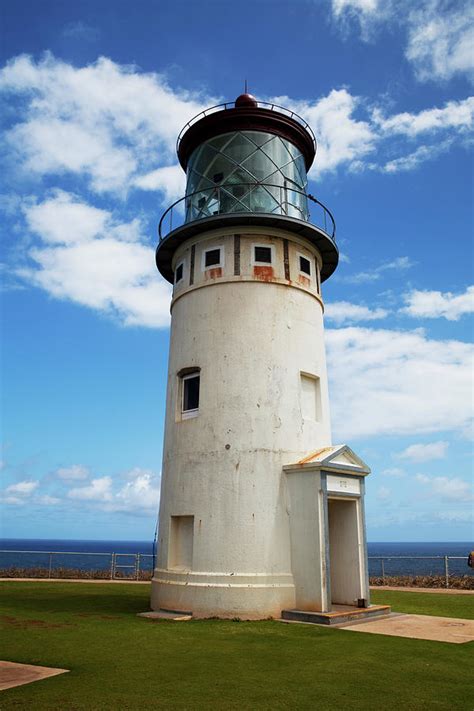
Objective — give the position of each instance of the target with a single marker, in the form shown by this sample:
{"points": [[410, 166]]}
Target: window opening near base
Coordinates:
{"points": [[190, 386]]}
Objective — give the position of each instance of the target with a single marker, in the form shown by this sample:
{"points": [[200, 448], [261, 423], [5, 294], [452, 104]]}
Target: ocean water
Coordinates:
{"points": [[422, 558]]}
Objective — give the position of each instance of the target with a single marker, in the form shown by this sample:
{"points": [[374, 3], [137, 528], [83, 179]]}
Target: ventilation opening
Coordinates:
{"points": [[181, 542]]}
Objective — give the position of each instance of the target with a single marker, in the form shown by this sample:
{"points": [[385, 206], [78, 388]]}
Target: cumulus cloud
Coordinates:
{"points": [[394, 471], [20, 493], [23, 488], [425, 452], [436, 304], [342, 312], [140, 492], [105, 122], [97, 490], [72, 473], [453, 488], [439, 33], [397, 264], [395, 382], [86, 256], [441, 39]]}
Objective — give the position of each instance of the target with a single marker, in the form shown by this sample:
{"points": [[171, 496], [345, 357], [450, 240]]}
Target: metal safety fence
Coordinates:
{"points": [[444, 570], [70, 564]]}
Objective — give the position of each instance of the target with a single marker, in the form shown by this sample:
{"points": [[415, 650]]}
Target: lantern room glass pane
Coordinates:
{"points": [[251, 171]]}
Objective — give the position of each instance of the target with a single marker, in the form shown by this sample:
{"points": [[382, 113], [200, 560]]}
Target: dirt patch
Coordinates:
{"points": [[25, 624]]}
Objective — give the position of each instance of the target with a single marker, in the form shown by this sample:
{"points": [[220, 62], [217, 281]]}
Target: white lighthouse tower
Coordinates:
{"points": [[259, 512]]}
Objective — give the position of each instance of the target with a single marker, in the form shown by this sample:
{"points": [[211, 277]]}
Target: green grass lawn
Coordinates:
{"points": [[119, 661]]}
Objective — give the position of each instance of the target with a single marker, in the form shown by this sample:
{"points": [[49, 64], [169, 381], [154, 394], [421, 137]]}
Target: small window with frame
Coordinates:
{"points": [[179, 273], [212, 258], [189, 394], [304, 265], [262, 254]]}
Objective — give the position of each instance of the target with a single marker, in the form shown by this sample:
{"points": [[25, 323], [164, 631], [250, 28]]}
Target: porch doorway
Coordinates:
{"points": [[344, 551]]}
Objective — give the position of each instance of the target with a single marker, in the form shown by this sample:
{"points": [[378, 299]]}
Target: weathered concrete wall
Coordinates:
{"points": [[308, 540], [252, 334]]}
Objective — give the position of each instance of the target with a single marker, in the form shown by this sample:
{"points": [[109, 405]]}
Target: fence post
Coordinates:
{"points": [[138, 566], [446, 570], [383, 572], [50, 564], [112, 566]]}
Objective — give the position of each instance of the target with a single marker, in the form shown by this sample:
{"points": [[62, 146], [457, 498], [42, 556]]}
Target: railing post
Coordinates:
{"points": [[383, 571], [138, 565], [50, 564], [112, 566], [446, 570]]}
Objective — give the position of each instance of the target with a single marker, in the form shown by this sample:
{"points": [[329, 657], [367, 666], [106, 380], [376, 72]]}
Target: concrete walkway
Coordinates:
{"points": [[13, 674], [439, 629]]}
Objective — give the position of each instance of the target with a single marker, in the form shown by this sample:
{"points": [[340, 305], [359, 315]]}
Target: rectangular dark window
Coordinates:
{"points": [[212, 257], [263, 254], [305, 266], [190, 392], [178, 275]]}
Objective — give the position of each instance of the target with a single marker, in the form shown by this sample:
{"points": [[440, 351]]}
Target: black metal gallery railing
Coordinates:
{"points": [[259, 104], [262, 198]]}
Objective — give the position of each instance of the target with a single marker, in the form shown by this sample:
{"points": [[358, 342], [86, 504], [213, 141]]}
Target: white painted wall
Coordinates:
{"points": [[252, 339]]}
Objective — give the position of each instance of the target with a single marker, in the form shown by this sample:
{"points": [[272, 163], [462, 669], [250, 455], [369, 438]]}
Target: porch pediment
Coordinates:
{"points": [[339, 458]]}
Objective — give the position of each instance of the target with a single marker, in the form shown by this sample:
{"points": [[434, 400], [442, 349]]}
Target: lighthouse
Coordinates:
{"points": [[260, 513]]}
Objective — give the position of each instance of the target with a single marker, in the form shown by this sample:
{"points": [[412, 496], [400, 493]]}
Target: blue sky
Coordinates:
{"points": [[95, 94]]}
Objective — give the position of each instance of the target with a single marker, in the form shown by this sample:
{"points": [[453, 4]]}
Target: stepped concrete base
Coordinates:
{"points": [[167, 615], [339, 615]]}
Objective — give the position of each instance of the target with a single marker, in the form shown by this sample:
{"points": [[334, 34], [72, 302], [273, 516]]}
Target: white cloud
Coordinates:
{"points": [[99, 263], [457, 115], [410, 161], [441, 39], [341, 137], [170, 180], [47, 500], [436, 304], [439, 33], [453, 488], [395, 382], [398, 264], [23, 488], [99, 490], [140, 492], [342, 312], [425, 452], [395, 472], [105, 122], [72, 473]]}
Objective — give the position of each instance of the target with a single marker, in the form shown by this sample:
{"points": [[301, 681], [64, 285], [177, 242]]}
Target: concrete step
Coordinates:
{"points": [[339, 615], [167, 615]]}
